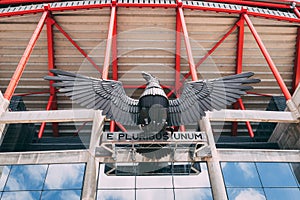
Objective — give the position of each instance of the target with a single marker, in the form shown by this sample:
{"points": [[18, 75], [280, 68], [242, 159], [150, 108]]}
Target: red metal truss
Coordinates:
{"points": [[296, 79], [76, 45], [22, 64], [268, 58]]}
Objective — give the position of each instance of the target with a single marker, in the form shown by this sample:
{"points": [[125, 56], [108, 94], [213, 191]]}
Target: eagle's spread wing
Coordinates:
{"points": [[92, 93], [200, 96]]}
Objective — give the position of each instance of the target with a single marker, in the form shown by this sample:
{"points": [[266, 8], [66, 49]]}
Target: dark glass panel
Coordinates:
{"points": [[61, 195], [115, 195], [276, 175], [26, 177], [240, 174], [65, 176], [193, 194]]}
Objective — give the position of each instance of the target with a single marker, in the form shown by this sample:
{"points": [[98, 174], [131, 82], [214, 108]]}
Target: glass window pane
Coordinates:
{"points": [[115, 195], [61, 194], [245, 193], [296, 171], [200, 180], [276, 175], [26, 177], [193, 194], [150, 194], [22, 195], [118, 182], [282, 193], [154, 182], [4, 171], [240, 174], [65, 176]]}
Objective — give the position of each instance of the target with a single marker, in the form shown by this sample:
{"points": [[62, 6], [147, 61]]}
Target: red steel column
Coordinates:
{"points": [[268, 58], [177, 53], [187, 42], [22, 64], [109, 42], [296, 79], [52, 102]]}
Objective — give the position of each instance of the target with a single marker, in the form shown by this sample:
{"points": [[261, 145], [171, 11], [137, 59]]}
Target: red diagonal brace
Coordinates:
{"points": [[187, 42], [22, 64], [268, 58], [76, 45]]}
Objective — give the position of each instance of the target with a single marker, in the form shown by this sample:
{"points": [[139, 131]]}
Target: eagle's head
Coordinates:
{"points": [[150, 78]]}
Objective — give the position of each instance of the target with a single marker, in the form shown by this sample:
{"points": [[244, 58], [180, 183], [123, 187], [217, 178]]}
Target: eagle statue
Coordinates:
{"points": [[153, 110]]}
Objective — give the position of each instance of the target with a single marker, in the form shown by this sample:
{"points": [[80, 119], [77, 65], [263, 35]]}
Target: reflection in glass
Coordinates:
{"points": [[108, 182], [65, 176], [115, 195], [276, 175], [4, 171], [282, 193], [245, 193], [193, 194], [26, 177], [150, 194], [296, 171], [154, 182], [22, 195], [200, 180], [240, 174], [61, 195]]}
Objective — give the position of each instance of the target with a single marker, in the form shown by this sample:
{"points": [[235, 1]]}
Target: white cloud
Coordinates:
{"points": [[246, 168], [250, 194]]}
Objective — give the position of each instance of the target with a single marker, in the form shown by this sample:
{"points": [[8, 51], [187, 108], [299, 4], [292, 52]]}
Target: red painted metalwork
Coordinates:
{"points": [[50, 24], [296, 78], [9, 2], [76, 45], [109, 42], [22, 64], [250, 130], [187, 42], [154, 5], [256, 3], [115, 51], [177, 54], [296, 11], [212, 49], [42, 127], [268, 58]]}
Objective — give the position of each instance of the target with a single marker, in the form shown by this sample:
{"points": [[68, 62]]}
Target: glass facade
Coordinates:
{"points": [[261, 180], [167, 186], [41, 182]]}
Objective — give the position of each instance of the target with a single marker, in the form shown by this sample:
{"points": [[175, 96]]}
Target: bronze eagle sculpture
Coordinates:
{"points": [[153, 108]]}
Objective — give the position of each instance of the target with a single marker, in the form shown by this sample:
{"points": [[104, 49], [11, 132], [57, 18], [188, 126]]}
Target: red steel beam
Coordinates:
{"points": [[256, 3], [187, 42], [109, 40], [115, 51], [296, 78], [268, 58], [154, 5], [76, 46], [177, 53], [213, 49], [109, 44], [43, 125], [51, 66], [296, 11], [22, 64]]}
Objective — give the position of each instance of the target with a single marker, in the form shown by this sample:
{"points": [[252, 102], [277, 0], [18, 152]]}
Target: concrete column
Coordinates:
{"points": [[213, 163], [4, 103]]}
